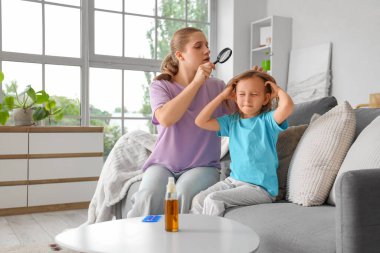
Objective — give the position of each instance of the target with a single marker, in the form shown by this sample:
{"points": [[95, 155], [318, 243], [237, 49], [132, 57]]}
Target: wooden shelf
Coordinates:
{"points": [[264, 48], [50, 129]]}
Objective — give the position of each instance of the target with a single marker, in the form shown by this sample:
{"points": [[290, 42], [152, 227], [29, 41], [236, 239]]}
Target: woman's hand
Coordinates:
{"points": [[203, 72], [275, 88]]}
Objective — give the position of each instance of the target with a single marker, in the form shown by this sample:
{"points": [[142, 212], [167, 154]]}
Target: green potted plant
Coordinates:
{"points": [[29, 106]]}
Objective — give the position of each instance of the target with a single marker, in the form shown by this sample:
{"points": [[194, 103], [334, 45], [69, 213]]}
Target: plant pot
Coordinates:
{"points": [[23, 117]]}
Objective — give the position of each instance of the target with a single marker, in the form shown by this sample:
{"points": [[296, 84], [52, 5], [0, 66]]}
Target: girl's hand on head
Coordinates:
{"points": [[203, 72], [274, 87], [258, 68], [228, 93]]}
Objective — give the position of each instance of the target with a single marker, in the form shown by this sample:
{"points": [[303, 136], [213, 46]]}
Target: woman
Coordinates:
{"points": [[183, 151]]}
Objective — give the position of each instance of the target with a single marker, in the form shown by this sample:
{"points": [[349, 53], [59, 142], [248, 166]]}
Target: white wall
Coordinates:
{"points": [[224, 39], [353, 27], [233, 31], [245, 12]]}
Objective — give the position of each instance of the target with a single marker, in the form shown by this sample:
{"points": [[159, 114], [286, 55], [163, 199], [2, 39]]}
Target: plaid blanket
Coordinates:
{"points": [[121, 169]]}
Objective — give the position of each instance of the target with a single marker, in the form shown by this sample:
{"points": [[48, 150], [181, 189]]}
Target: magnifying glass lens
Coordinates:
{"points": [[224, 55]]}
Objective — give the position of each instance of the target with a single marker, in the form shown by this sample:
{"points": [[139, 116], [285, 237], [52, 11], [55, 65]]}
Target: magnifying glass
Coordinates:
{"points": [[223, 56]]}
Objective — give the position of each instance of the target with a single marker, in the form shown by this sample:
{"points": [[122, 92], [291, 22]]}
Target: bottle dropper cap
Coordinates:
{"points": [[170, 187]]}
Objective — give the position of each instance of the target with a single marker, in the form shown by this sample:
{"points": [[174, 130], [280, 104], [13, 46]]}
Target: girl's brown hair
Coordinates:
{"points": [[169, 66], [248, 74]]}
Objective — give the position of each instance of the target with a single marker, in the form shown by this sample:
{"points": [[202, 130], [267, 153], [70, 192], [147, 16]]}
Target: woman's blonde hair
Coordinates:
{"points": [[169, 66], [248, 74]]}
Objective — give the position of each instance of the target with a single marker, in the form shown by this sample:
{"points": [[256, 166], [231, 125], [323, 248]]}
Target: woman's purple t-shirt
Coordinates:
{"points": [[184, 145]]}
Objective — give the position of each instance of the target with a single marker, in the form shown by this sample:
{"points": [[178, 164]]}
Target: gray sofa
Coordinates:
{"points": [[352, 226]]}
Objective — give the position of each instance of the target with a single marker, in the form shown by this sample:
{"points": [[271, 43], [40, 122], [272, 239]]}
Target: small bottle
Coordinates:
{"points": [[171, 207]]}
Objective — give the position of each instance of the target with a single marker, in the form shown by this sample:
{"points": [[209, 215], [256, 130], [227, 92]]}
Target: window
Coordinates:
{"points": [[97, 58], [43, 49]]}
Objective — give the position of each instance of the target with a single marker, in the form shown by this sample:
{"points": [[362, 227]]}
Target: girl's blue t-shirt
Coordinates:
{"points": [[252, 146]]}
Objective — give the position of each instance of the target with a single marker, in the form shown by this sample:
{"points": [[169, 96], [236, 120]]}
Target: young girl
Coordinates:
{"points": [[253, 132], [183, 150]]}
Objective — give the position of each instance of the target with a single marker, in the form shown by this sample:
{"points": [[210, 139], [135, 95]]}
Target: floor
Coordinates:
{"points": [[37, 228]]}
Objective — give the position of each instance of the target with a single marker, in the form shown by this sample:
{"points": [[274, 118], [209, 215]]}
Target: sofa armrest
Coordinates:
{"points": [[358, 211]]}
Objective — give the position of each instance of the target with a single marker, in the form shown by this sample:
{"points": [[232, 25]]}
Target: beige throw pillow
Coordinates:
{"points": [[286, 144], [363, 154], [319, 155]]}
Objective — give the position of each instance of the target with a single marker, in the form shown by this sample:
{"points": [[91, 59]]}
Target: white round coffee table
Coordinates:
{"points": [[197, 233]]}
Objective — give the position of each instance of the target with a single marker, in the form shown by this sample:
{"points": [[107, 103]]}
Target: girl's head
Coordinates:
{"points": [[189, 46], [251, 95]]}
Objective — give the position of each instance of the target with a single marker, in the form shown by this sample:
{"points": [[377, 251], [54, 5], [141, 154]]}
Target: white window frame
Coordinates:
{"points": [[89, 59]]}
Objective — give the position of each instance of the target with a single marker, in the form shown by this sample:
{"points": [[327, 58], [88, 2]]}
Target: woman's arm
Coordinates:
{"points": [[204, 119], [172, 111], [285, 103]]}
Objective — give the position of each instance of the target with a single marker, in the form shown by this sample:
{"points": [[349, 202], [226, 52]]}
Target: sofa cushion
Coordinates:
{"points": [[364, 116], [304, 111], [125, 205], [286, 144], [319, 155], [289, 228], [363, 154]]}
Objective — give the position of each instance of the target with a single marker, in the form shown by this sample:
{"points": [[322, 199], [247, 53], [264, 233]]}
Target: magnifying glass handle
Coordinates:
{"points": [[215, 62]]}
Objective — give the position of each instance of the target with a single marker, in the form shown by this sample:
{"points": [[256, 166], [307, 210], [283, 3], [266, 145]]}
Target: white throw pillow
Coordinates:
{"points": [[314, 117], [363, 154], [319, 155]]}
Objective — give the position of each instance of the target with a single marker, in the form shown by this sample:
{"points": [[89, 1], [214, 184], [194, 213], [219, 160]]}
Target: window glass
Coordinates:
{"points": [[108, 33], [62, 31], [145, 7], [66, 121], [136, 93], [23, 73], [67, 2], [139, 39], [114, 5], [112, 132], [165, 31], [198, 10], [105, 91], [203, 27], [171, 8], [24, 34], [63, 83], [138, 124]]}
